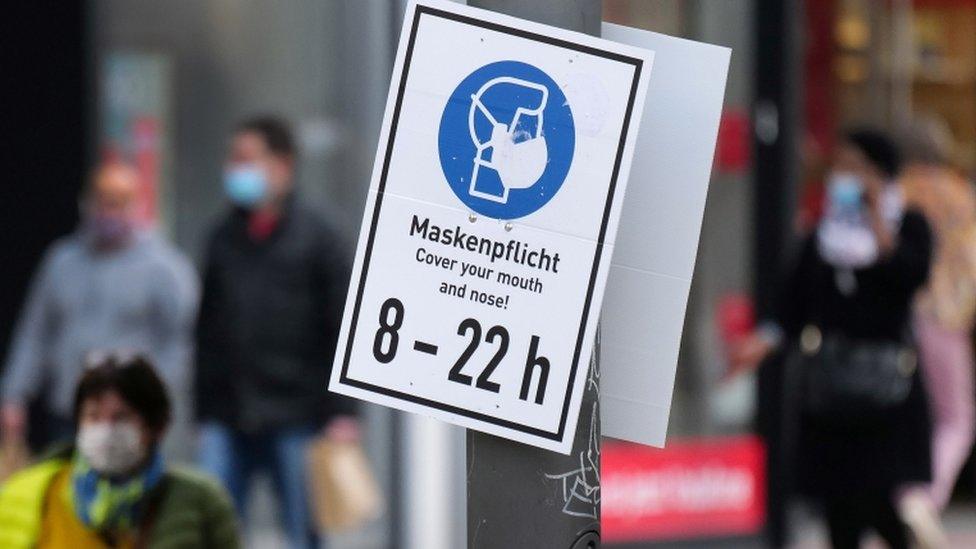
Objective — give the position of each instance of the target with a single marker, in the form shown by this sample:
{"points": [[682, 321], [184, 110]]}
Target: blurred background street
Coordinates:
{"points": [[164, 88]]}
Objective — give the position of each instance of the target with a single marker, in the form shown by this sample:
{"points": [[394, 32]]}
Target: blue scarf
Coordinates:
{"points": [[107, 505]]}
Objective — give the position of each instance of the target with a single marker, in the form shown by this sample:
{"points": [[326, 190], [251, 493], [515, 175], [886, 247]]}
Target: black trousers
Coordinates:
{"points": [[848, 518]]}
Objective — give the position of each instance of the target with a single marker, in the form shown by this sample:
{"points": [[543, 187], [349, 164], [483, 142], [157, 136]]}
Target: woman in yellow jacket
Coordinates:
{"points": [[113, 489]]}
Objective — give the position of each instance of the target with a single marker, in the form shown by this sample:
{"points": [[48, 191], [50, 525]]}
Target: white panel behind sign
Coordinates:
{"points": [[650, 275]]}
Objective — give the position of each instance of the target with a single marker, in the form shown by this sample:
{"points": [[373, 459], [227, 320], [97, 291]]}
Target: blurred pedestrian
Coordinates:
{"points": [[112, 488], [845, 312], [274, 289], [108, 284], [944, 312]]}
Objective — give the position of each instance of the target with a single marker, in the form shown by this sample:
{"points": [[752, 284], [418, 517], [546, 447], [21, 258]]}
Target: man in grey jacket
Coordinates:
{"points": [[107, 286]]}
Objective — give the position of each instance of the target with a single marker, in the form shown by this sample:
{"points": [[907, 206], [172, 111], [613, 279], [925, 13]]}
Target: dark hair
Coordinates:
{"points": [[878, 148], [133, 377], [273, 130]]}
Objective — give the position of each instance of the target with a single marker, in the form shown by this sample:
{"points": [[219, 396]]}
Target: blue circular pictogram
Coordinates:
{"points": [[506, 140]]}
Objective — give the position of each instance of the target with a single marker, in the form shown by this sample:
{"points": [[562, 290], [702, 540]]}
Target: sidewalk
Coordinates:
{"points": [[959, 520]]}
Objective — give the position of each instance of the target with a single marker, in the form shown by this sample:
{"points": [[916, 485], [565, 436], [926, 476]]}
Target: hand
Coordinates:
{"points": [[13, 422], [874, 189], [343, 429], [747, 353]]}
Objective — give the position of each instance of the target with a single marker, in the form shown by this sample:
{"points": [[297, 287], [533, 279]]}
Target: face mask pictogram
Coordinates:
{"points": [[519, 156], [506, 140]]}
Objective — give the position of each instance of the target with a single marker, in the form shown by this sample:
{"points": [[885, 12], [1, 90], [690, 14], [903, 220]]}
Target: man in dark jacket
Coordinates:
{"points": [[274, 288]]}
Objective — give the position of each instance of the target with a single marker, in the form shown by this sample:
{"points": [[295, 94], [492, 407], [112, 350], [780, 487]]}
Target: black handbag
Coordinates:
{"points": [[853, 379]]}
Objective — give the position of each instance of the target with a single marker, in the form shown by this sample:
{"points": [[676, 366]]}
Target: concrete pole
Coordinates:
{"points": [[518, 495]]}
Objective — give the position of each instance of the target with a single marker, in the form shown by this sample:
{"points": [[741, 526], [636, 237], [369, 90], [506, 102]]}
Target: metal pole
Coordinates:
{"points": [[518, 495], [522, 496], [777, 120]]}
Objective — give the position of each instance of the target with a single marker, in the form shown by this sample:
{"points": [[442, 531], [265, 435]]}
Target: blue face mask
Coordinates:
{"points": [[844, 190], [245, 185]]}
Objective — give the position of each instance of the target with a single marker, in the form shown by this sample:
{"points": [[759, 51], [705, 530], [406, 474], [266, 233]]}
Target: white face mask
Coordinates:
{"points": [[111, 448], [519, 165]]}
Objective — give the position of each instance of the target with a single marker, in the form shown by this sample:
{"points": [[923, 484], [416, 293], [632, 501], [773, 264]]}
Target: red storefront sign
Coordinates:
{"points": [[691, 489]]}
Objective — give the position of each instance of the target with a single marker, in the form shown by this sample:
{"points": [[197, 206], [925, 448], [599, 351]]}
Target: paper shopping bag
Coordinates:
{"points": [[344, 491]]}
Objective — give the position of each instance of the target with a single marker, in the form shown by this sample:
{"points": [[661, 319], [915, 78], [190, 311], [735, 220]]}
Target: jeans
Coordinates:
{"points": [[234, 458]]}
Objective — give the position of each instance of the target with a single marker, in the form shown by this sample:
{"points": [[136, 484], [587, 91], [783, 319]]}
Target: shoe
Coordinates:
{"points": [[921, 517]]}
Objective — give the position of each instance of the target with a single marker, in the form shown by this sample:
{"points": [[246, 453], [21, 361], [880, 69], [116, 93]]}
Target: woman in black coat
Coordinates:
{"points": [[855, 280]]}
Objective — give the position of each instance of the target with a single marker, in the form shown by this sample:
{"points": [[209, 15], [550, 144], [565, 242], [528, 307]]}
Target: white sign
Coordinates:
{"points": [[652, 266], [490, 221]]}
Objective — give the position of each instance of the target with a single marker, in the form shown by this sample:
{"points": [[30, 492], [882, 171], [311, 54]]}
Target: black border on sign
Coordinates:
{"points": [[344, 377]]}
